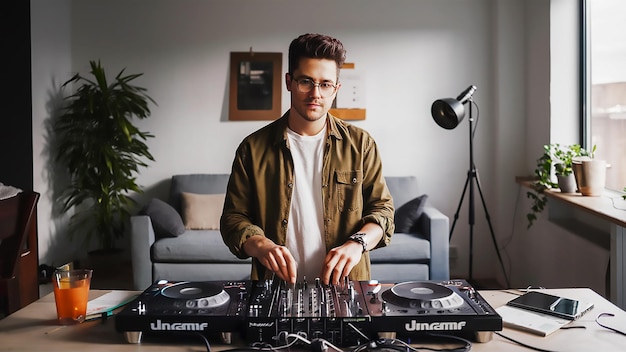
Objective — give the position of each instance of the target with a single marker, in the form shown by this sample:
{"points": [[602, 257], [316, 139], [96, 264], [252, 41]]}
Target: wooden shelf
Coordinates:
{"points": [[349, 114], [607, 206]]}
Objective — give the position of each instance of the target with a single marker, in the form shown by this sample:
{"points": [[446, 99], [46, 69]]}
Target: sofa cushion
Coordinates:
{"points": [[404, 248], [402, 189], [202, 211], [193, 246], [165, 219], [406, 216], [196, 183]]}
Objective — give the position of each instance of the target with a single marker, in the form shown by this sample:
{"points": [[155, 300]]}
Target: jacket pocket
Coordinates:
{"points": [[349, 188]]}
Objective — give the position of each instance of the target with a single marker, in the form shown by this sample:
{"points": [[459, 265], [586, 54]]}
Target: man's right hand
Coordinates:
{"points": [[274, 257]]}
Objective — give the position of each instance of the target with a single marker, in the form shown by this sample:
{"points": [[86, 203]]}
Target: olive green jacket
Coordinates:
{"points": [[259, 191]]}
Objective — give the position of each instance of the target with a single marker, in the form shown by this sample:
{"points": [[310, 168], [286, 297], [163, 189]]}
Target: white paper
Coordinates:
{"points": [[352, 92], [109, 301], [536, 323]]}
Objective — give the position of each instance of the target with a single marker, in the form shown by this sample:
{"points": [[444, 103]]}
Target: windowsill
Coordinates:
{"points": [[588, 216], [610, 206]]}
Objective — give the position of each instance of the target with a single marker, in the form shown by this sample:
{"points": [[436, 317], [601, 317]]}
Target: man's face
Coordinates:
{"points": [[314, 104]]}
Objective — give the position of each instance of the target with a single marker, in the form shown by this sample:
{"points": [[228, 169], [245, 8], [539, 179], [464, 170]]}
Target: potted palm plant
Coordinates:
{"points": [[556, 159], [102, 151]]}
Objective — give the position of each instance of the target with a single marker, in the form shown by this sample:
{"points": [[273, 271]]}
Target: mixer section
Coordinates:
{"points": [[310, 310]]}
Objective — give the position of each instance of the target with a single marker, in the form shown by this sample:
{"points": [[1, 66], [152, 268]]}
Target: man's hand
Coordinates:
{"points": [[340, 261], [274, 257]]}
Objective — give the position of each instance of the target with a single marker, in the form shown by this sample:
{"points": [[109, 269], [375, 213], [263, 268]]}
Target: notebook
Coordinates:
{"points": [[533, 322]]}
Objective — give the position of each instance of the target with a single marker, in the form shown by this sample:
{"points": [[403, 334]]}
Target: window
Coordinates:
{"points": [[605, 85]]}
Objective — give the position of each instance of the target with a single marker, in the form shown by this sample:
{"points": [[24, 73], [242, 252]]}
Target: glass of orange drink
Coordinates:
{"points": [[71, 293]]}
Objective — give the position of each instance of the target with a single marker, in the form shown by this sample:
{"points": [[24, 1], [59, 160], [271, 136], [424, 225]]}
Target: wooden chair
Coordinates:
{"points": [[18, 252]]}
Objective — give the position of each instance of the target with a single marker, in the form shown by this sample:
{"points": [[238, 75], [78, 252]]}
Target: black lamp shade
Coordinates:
{"points": [[448, 113]]}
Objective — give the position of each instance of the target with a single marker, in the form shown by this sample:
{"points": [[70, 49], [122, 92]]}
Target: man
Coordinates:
{"points": [[306, 196]]}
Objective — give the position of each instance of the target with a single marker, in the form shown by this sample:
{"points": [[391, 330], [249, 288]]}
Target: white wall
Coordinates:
{"points": [[51, 66], [412, 52]]}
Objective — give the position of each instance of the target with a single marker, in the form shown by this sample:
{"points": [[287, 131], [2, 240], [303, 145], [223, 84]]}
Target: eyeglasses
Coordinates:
{"points": [[306, 85]]}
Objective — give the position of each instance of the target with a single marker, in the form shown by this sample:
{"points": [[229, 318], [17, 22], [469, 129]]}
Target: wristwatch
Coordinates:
{"points": [[359, 237]]}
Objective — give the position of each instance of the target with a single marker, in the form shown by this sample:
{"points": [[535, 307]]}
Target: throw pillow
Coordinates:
{"points": [[165, 219], [406, 216], [202, 211]]}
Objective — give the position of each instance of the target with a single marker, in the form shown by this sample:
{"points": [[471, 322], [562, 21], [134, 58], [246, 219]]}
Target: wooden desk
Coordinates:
{"points": [[601, 220], [34, 328]]}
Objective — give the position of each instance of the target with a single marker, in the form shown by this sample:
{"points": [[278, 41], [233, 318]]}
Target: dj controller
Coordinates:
{"points": [[347, 314]]}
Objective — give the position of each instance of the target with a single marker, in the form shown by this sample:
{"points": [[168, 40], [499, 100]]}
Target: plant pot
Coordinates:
{"points": [[112, 268], [567, 183], [106, 261], [590, 176]]}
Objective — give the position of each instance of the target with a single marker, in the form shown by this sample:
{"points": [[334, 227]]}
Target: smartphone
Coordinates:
{"points": [[549, 304]]}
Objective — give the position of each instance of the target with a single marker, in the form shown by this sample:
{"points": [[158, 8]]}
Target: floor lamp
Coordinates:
{"points": [[448, 113]]}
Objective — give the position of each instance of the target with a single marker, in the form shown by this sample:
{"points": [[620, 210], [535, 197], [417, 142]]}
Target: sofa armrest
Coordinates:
{"points": [[142, 238], [435, 225]]}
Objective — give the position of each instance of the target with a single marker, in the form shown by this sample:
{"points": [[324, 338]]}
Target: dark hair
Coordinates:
{"points": [[315, 46]]}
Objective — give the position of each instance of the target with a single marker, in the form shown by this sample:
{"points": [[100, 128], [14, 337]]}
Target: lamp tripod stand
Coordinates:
{"points": [[471, 180], [448, 113]]}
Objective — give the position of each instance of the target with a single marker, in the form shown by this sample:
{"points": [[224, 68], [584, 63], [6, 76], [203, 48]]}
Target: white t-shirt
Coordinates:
{"points": [[305, 236]]}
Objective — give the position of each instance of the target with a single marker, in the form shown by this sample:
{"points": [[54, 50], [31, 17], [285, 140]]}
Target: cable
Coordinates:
{"points": [[615, 205], [509, 240], [325, 344], [467, 347], [359, 332], [405, 347], [206, 341], [317, 345], [477, 117], [401, 346], [608, 327]]}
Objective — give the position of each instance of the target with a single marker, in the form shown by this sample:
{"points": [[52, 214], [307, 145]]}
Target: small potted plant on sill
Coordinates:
{"points": [[102, 151], [590, 174], [559, 159]]}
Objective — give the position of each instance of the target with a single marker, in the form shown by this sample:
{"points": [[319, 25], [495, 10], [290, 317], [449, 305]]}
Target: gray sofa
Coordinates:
{"points": [[420, 252]]}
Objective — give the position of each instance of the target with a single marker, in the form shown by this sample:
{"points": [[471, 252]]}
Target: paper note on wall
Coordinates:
{"points": [[352, 92]]}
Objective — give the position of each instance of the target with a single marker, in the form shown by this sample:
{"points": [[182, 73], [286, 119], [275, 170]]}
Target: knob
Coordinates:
{"points": [[374, 298]]}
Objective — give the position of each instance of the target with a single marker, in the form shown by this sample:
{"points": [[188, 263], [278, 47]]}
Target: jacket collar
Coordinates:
{"points": [[335, 125]]}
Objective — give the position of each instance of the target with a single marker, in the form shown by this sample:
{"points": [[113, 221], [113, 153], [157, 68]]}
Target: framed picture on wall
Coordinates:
{"points": [[255, 92]]}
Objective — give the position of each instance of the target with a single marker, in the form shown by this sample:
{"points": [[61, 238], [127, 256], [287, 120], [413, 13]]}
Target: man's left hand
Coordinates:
{"points": [[340, 261]]}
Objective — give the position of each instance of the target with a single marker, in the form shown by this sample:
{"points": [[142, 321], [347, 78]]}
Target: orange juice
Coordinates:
{"points": [[71, 293]]}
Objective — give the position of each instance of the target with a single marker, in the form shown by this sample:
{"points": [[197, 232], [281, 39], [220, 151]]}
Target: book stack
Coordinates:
{"points": [[106, 305]]}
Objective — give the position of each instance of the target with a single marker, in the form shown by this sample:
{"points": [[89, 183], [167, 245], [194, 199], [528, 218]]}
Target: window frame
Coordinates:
{"points": [[586, 119], [585, 76]]}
